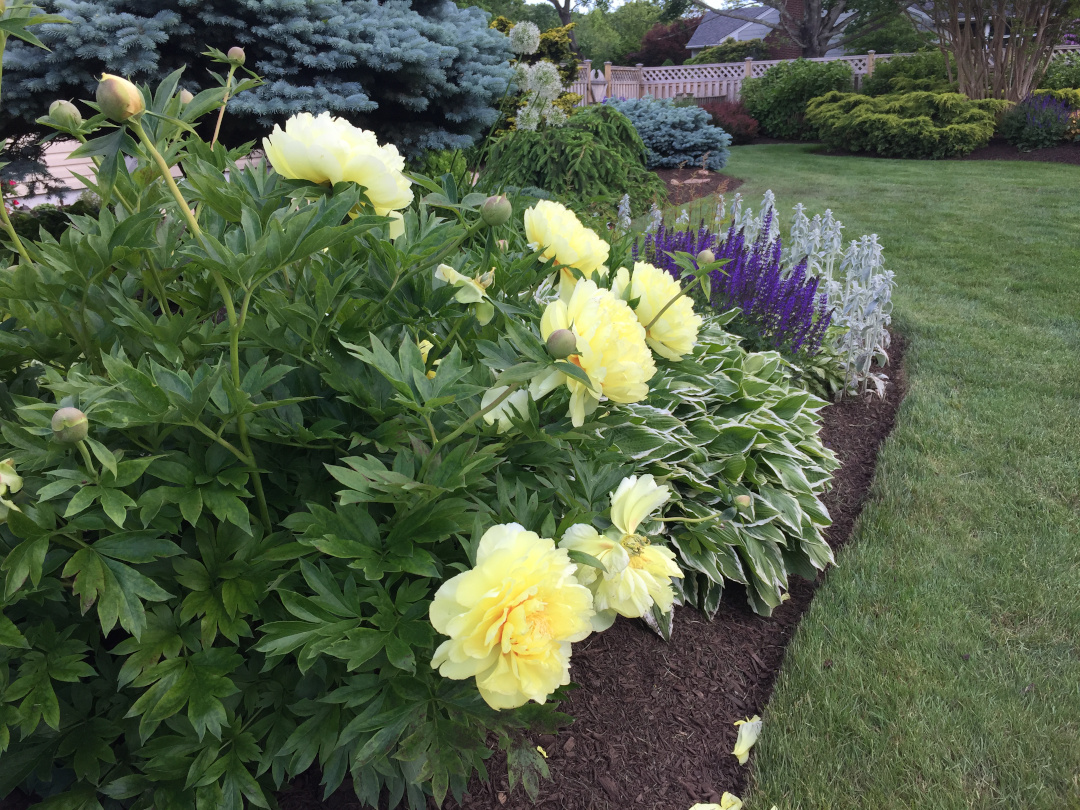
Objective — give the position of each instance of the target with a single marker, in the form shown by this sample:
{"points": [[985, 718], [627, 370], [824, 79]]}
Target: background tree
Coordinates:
{"points": [[824, 22], [665, 41], [608, 36], [424, 74], [542, 15], [899, 34], [998, 49]]}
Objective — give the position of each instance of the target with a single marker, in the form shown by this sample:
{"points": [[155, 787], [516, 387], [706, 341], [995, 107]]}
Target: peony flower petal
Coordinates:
{"points": [[634, 500], [515, 406], [749, 731]]}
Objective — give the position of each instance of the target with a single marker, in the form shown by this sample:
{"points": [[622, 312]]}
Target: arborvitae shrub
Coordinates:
{"points": [[913, 125], [778, 99], [674, 134], [904, 74], [589, 164]]}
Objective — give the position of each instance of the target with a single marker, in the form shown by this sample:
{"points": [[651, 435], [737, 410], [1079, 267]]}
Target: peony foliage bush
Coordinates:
{"points": [[313, 462]]}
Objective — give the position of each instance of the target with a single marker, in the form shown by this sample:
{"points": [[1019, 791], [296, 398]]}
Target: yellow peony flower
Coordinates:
{"points": [[10, 483], [675, 332], [512, 618], [470, 290], [515, 406], [556, 229], [638, 574], [749, 731], [611, 351], [425, 347], [324, 149]]}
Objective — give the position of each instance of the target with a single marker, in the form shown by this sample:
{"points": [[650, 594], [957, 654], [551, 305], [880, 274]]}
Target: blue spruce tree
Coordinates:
{"points": [[420, 74]]}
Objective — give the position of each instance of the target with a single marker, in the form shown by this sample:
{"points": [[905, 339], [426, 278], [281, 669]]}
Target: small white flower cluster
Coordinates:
{"points": [[541, 84], [524, 38], [656, 219]]}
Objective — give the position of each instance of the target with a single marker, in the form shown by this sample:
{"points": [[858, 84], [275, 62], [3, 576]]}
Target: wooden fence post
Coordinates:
{"points": [[587, 95], [641, 80], [869, 64], [749, 67], [607, 79]]}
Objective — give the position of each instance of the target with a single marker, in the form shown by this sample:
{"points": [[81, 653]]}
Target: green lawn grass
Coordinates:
{"points": [[939, 666]]}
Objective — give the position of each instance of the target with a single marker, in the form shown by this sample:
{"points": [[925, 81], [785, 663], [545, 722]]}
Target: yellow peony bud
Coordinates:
{"points": [[743, 501], [65, 114], [236, 54], [118, 98], [70, 425], [706, 257], [186, 97]]}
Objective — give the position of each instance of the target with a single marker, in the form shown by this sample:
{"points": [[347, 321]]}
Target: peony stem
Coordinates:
{"points": [[235, 324], [664, 309], [224, 103], [464, 426]]}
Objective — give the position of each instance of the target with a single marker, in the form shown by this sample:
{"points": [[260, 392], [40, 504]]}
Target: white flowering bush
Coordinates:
{"points": [[299, 473]]}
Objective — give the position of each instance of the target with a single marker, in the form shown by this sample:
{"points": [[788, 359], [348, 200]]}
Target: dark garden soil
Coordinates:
{"points": [[653, 725], [653, 720], [686, 185]]}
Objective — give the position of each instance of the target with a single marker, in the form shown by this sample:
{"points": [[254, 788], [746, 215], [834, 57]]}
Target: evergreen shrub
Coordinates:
{"points": [[424, 74], [778, 99], [676, 135], [912, 125], [589, 163], [924, 70]]}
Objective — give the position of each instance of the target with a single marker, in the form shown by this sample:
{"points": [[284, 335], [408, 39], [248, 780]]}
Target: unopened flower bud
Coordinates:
{"points": [[561, 344], [65, 114], [70, 425], [706, 257], [496, 210], [236, 54], [742, 501], [186, 97], [118, 98]]}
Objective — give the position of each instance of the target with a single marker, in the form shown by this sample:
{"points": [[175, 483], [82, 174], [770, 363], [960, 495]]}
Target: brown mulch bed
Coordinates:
{"points": [[685, 185]]}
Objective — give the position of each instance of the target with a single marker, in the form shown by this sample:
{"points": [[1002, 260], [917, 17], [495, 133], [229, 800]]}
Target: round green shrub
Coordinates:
{"points": [[589, 163], [1063, 73], [912, 125], [676, 133], [905, 74], [778, 99]]}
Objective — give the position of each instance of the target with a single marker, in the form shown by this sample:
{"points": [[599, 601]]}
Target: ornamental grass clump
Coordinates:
{"points": [[290, 463]]}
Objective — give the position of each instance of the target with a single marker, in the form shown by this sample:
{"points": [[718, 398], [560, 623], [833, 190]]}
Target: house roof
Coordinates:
{"points": [[714, 28]]}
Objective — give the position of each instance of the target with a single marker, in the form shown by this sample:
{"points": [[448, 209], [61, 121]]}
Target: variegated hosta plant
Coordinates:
{"points": [[312, 463]]}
